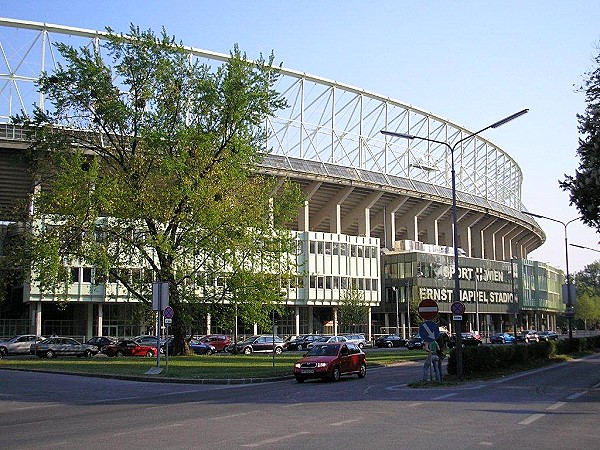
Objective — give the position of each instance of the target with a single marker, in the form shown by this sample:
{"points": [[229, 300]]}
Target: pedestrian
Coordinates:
{"points": [[442, 343], [431, 362]]}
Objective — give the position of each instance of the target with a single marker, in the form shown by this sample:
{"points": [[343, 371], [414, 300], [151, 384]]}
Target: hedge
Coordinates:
{"points": [[490, 358]]}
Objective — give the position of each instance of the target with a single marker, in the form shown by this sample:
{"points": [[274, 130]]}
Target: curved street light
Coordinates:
{"points": [[456, 295], [568, 276]]}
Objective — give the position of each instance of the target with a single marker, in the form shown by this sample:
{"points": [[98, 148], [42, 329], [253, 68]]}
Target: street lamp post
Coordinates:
{"points": [[396, 295], [451, 148], [568, 277]]}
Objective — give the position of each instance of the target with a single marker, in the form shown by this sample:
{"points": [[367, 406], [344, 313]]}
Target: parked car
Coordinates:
{"points": [[20, 344], [502, 338], [467, 338], [201, 348], [218, 341], [301, 342], [528, 336], [415, 342], [548, 336], [264, 344], [147, 340], [389, 341], [63, 346], [331, 361], [326, 340], [129, 348], [358, 339], [100, 341]]}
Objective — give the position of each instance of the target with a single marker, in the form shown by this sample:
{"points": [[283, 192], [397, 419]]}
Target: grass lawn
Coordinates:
{"points": [[193, 367]]}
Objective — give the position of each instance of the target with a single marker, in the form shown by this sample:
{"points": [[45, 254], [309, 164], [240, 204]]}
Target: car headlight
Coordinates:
{"points": [[297, 365]]}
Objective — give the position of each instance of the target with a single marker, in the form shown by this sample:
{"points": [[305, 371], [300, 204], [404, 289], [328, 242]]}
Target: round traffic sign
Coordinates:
{"points": [[457, 308], [168, 312], [428, 309]]}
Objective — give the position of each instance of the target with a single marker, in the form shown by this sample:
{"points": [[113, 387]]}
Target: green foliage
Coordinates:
{"points": [[584, 186], [147, 171], [353, 308], [587, 308], [489, 359]]}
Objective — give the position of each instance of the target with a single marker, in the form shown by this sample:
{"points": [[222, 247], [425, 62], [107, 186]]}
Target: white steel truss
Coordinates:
{"points": [[331, 126]]}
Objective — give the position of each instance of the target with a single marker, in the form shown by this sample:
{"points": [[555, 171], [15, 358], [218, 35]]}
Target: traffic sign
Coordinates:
{"points": [[457, 308], [429, 331], [428, 309], [168, 312]]}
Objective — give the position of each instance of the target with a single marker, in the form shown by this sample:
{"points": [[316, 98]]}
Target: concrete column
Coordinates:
{"points": [[303, 217], [100, 319], [208, 323], [255, 328], [38, 318], [335, 321], [369, 325], [297, 320], [311, 328]]}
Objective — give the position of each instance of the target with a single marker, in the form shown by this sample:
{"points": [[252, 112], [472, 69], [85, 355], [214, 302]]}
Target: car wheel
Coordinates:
{"points": [[361, 345], [389, 345], [50, 354], [3, 351], [87, 354], [247, 350], [336, 374], [278, 350], [119, 354], [363, 371], [299, 379], [149, 353], [300, 348]]}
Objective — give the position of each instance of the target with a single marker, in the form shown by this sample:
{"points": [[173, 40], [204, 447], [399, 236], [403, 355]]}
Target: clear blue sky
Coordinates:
{"points": [[472, 62]]}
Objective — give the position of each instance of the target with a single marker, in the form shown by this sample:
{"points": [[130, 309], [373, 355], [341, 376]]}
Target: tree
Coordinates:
{"points": [[587, 308], [353, 308], [584, 186], [147, 168]]}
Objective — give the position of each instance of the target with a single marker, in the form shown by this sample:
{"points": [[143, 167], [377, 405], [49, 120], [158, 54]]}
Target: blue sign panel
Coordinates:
{"points": [[429, 331]]}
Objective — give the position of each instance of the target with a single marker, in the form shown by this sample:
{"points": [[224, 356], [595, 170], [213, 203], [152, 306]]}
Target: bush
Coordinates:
{"points": [[487, 359]]}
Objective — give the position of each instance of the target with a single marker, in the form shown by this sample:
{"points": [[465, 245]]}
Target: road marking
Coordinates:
{"points": [[230, 416], [292, 405], [414, 404], [576, 395], [486, 443], [441, 397], [344, 422], [275, 440], [531, 419], [555, 406]]}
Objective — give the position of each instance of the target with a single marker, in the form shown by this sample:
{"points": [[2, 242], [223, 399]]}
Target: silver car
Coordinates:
{"points": [[63, 346], [19, 344]]}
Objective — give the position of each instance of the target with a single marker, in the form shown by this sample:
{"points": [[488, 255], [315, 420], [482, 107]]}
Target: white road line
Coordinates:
{"points": [[345, 422], [531, 419], [441, 397], [411, 405], [486, 443], [576, 395], [275, 440], [292, 405], [555, 406], [230, 416]]}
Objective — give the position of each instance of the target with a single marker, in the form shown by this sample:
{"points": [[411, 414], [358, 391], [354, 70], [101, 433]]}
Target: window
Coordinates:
{"points": [[343, 249], [313, 247], [353, 250], [320, 282], [328, 282], [87, 274], [75, 274]]}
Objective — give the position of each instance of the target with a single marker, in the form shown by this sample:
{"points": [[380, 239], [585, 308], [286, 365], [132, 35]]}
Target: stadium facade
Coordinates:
{"points": [[377, 213]]}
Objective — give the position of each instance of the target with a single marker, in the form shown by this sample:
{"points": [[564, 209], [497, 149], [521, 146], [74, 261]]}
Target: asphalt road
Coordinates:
{"points": [[554, 408]]}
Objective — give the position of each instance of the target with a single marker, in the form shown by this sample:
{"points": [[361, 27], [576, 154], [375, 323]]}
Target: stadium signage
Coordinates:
{"points": [[466, 296]]}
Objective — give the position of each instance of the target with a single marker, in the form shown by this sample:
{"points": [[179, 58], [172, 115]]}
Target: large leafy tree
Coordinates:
{"points": [[353, 308], [587, 308], [584, 186], [146, 166]]}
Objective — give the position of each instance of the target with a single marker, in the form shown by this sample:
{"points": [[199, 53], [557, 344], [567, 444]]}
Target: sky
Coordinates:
{"points": [[471, 62]]}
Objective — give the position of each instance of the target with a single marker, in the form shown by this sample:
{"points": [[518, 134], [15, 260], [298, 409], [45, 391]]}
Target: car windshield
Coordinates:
{"points": [[323, 350]]}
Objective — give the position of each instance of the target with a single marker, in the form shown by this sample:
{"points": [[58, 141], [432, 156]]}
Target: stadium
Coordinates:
{"points": [[377, 213]]}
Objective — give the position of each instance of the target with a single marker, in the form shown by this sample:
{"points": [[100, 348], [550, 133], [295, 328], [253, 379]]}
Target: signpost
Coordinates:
{"points": [[458, 309], [168, 316]]}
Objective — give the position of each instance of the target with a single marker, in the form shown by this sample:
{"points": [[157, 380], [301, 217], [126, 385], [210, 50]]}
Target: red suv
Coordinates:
{"points": [[331, 361], [218, 341]]}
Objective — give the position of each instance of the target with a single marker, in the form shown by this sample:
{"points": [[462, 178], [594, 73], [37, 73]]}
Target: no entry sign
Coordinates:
{"points": [[428, 309]]}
